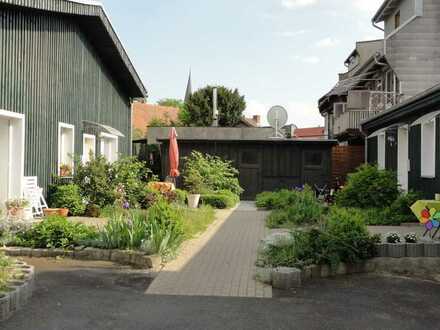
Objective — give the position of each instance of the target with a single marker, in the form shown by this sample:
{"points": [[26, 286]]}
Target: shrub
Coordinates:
{"points": [[265, 200], [220, 200], [68, 196], [131, 174], [344, 238], [216, 174], [181, 196], [150, 197], [393, 238], [295, 208], [54, 232], [169, 215], [411, 238], [94, 180], [369, 187], [400, 209], [278, 200]]}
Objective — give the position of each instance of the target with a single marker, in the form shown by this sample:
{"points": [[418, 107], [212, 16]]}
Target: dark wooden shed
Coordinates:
{"points": [[265, 164]]}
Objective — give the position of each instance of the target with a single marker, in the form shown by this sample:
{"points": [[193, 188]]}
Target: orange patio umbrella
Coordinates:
{"points": [[174, 154]]}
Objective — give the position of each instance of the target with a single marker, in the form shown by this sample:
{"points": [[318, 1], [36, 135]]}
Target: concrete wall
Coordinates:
{"points": [[407, 10]]}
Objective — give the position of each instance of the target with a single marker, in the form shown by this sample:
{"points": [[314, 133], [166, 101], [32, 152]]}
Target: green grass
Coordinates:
{"points": [[197, 221], [5, 273]]}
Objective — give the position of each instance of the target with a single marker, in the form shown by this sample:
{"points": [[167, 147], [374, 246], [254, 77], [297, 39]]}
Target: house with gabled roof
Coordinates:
{"points": [[66, 87], [406, 137]]}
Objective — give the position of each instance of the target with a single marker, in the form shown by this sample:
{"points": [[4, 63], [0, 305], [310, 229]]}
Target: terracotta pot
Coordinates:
{"points": [[55, 212]]}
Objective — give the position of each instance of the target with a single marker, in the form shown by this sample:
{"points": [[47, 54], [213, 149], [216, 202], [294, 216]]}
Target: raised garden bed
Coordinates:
{"points": [[409, 250], [132, 258], [18, 290]]}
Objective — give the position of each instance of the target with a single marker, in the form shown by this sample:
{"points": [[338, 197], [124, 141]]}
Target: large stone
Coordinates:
{"points": [[285, 278], [153, 261], [280, 239], [121, 257], [264, 275]]}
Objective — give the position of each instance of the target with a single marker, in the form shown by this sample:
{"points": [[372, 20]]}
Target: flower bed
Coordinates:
{"points": [[16, 285]]}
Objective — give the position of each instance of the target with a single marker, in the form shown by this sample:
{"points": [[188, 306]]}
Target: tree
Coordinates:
{"points": [[175, 103], [198, 111]]}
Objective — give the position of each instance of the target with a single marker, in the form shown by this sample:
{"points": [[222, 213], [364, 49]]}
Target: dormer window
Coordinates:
{"points": [[397, 20]]}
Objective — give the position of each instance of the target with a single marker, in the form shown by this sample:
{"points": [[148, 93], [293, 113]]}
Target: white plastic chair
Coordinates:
{"points": [[34, 194]]}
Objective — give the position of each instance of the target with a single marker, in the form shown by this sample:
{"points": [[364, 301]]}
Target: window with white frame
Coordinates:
{"points": [[66, 149], [109, 147], [89, 147], [381, 151], [428, 149]]}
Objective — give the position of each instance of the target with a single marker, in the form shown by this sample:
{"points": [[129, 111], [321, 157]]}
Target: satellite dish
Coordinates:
{"points": [[277, 118]]}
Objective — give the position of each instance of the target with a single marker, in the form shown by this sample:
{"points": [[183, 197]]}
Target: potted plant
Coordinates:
{"points": [[16, 207], [414, 249], [194, 185], [65, 170], [396, 249]]}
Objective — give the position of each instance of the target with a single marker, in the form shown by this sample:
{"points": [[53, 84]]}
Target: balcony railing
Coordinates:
{"points": [[351, 120], [380, 101]]}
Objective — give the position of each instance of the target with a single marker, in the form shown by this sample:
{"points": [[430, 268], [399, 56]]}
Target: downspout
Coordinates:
{"points": [[383, 30]]}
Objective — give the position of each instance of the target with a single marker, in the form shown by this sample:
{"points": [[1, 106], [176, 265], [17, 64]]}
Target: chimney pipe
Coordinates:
{"points": [[215, 109]]}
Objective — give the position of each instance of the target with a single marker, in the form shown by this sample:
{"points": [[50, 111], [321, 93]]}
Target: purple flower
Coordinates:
{"points": [[126, 205]]}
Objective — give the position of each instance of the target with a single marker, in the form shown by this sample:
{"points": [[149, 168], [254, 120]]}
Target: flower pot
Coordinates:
{"points": [[16, 212], [4, 306], [432, 250], [56, 212], [382, 250], [193, 201], [415, 250], [397, 250]]}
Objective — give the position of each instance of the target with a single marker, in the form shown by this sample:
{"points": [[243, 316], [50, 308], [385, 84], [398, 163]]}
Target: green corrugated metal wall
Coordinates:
{"points": [[50, 72]]}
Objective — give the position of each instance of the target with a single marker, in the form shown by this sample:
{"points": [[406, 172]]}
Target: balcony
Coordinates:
{"points": [[351, 119], [361, 105]]}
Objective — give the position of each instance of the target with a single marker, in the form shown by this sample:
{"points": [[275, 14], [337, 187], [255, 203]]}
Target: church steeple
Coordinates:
{"points": [[188, 92]]}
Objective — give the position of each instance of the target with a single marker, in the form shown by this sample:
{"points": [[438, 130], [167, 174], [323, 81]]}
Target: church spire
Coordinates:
{"points": [[188, 92]]}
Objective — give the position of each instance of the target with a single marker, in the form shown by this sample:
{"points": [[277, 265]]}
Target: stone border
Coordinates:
{"points": [[19, 291], [409, 250], [408, 259], [132, 258]]}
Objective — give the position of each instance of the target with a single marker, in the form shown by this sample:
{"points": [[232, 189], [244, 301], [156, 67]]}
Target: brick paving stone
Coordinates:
{"points": [[220, 262]]}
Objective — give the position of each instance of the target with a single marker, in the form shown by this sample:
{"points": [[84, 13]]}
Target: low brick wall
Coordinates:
{"points": [[132, 258], [18, 291]]}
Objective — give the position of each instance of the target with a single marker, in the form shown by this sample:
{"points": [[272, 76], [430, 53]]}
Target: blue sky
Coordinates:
{"points": [[285, 52]]}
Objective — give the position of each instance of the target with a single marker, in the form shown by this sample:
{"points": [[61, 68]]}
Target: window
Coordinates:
{"points": [[397, 20], [89, 147], [381, 151], [66, 149], [428, 149], [313, 159], [109, 147]]}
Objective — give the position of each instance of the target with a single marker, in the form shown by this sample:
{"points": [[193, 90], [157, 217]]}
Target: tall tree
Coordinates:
{"points": [[169, 102], [198, 110]]}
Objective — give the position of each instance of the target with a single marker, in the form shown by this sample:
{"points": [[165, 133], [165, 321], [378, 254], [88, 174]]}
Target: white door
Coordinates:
{"points": [[11, 155], [4, 160], [403, 157]]}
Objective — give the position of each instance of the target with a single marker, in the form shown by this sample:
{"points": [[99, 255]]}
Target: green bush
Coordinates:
{"points": [[369, 187], [125, 230], [68, 196], [131, 174], [400, 209], [54, 232], [220, 200], [181, 196], [265, 200], [216, 174], [295, 208], [344, 238], [95, 182]]}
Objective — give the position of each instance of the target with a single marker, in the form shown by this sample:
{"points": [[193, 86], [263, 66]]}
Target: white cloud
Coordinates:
{"points": [[307, 59], [370, 6], [293, 4], [327, 43], [301, 114], [292, 34]]}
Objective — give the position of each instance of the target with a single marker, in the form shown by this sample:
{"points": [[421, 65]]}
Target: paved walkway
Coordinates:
{"points": [[221, 262]]}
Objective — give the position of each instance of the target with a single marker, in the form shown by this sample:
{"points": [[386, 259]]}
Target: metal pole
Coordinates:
{"points": [[215, 109]]}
